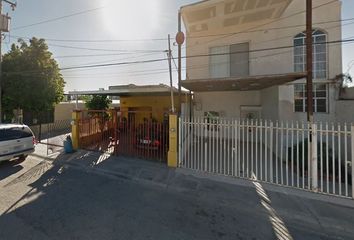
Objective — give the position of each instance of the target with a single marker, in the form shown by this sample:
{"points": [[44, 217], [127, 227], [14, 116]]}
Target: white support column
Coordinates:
{"points": [[314, 163], [352, 149]]}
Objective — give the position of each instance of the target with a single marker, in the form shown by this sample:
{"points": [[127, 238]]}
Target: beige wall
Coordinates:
{"points": [[270, 103], [348, 93], [277, 102], [282, 60], [226, 103], [345, 111], [63, 110]]}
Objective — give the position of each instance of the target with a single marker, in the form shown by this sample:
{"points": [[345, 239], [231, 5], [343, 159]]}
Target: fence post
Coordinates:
{"points": [[115, 129], [172, 151], [75, 129], [352, 149], [314, 162]]}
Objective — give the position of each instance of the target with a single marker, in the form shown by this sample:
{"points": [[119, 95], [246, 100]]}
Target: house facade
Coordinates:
{"points": [[247, 58]]}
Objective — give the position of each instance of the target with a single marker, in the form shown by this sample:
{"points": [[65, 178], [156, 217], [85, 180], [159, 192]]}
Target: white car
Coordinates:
{"points": [[16, 141]]}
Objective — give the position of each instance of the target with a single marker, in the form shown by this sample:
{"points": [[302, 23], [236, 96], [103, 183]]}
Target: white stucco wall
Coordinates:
{"points": [[277, 102], [348, 93], [345, 111], [286, 105], [270, 103], [226, 103], [274, 61]]}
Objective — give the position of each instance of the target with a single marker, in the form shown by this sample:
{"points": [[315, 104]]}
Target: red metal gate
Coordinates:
{"points": [[140, 135], [126, 133], [97, 129]]}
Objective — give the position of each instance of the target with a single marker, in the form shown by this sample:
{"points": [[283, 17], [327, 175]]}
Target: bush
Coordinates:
{"points": [[304, 146]]}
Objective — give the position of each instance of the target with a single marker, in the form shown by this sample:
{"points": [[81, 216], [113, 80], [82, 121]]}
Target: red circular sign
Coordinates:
{"points": [[180, 38]]}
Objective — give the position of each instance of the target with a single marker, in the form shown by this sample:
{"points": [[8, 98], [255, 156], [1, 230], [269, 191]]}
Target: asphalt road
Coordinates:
{"points": [[42, 200]]}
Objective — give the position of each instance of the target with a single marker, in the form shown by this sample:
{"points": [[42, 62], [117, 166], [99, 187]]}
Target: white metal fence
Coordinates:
{"points": [[273, 152]]}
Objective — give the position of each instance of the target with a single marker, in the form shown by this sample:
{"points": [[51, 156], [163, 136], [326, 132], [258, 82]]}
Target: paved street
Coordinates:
{"points": [[92, 196]]}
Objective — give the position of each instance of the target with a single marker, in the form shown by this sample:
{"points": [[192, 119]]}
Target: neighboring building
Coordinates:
{"points": [[139, 102], [230, 74]]}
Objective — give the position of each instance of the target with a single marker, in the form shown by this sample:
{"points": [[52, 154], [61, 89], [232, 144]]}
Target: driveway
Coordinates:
{"points": [[96, 196]]}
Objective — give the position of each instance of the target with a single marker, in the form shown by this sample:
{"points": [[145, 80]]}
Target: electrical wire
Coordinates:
{"points": [[58, 18], [351, 40], [99, 49]]}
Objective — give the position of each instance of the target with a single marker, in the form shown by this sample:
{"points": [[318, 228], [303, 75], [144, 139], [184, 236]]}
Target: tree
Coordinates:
{"points": [[342, 81], [98, 102], [31, 78]]}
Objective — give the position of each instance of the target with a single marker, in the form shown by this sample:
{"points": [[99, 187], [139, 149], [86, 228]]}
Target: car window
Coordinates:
{"points": [[14, 133]]}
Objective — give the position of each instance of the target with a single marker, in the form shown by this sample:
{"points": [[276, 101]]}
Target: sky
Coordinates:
{"points": [[103, 31]]}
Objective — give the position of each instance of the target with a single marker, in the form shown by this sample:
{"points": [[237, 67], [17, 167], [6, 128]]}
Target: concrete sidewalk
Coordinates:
{"points": [[229, 208]]}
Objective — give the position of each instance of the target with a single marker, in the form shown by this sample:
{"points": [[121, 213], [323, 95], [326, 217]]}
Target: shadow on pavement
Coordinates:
{"points": [[71, 203], [8, 168], [66, 203]]}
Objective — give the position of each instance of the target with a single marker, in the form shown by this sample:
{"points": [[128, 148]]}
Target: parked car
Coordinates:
{"points": [[16, 141], [151, 136]]}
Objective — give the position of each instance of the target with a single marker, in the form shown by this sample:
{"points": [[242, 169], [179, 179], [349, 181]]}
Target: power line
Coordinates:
{"points": [[126, 58], [199, 66], [58, 18], [275, 28], [98, 49], [192, 56]]}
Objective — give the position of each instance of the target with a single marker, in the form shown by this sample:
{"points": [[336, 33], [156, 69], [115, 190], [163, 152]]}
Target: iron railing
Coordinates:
{"points": [[273, 152]]}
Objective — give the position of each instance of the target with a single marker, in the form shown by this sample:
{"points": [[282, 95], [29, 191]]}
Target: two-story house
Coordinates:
{"points": [[247, 58]]}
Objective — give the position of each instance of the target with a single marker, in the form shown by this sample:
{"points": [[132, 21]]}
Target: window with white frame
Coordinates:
{"points": [[229, 61], [320, 98], [319, 53]]}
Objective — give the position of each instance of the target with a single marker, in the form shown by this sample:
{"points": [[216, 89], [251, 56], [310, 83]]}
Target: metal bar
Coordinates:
{"points": [[256, 145], [346, 159], [261, 150], [252, 143], [297, 155], [229, 149], [281, 153], [238, 149], [327, 158], [314, 162], [247, 149], [234, 151], [276, 152], [339, 161], [194, 156], [214, 147], [303, 155], [321, 157], [309, 162], [287, 155], [333, 163], [352, 157], [271, 152], [243, 148], [180, 148], [266, 150], [292, 153]]}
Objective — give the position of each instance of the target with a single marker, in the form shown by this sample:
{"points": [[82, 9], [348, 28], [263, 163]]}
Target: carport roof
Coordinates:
{"points": [[131, 90], [250, 83]]}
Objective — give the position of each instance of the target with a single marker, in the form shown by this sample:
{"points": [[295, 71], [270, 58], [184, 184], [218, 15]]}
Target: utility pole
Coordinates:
{"points": [[170, 68], [179, 62], [309, 61], [3, 28]]}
